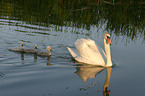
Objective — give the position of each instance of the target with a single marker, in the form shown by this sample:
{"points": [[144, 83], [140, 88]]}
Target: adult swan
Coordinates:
{"points": [[88, 52]]}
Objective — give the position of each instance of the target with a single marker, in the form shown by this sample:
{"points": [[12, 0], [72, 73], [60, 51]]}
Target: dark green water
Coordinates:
{"points": [[59, 24]]}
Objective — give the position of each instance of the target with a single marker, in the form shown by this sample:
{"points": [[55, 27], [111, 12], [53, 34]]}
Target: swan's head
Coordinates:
{"points": [[22, 45], [107, 38], [35, 46], [48, 48]]}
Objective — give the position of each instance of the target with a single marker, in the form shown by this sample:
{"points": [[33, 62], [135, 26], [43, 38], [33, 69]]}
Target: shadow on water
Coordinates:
{"points": [[125, 18]]}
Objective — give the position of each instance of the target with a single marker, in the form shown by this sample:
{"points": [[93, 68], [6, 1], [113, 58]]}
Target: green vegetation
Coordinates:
{"points": [[123, 17]]}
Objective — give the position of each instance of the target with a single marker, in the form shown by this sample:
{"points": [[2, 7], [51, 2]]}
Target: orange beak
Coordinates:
{"points": [[107, 94], [109, 41]]}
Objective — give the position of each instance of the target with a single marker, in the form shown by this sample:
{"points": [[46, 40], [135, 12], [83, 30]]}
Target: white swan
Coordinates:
{"points": [[88, 52], [41, 53]]}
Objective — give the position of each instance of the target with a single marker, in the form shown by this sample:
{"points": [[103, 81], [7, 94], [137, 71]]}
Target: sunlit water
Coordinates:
{"points": [[26, 74], [58, 75]]}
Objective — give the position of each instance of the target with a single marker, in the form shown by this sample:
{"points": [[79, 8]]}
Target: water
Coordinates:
{"points": [[59, 25]]}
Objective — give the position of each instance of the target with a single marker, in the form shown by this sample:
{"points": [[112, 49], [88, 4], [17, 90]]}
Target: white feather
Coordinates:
{"points": [[88, 52]]}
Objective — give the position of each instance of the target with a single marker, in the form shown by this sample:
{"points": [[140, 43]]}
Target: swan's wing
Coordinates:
{"points": [[96, 48], [78, 58], [87, 48], [72, 52], [87, 44], [92, 45], [89, 52]]}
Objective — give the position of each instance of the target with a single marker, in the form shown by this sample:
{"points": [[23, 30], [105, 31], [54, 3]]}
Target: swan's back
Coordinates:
{"points": [[42, 53], [30, 50], [86, 47], [89, 52]]}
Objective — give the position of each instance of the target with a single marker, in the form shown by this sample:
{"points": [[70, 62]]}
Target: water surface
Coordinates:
{"points": [[59, 24]]}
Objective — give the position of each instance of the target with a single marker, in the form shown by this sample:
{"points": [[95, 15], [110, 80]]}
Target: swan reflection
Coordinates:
{"points": [[107, 81], [88, 72], [35, 57], [22, 56]]}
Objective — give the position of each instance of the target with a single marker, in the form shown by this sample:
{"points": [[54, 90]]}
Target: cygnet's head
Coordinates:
{"points": [[35, 46], [48, 48], [107, 38], [22, 45]]}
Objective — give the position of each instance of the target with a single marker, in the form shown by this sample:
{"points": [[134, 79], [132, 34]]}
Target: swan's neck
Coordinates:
{"points": [[108, 53], [48, 52]]}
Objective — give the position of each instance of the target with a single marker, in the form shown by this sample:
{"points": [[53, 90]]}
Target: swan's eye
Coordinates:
{"points": [[108, 37]]}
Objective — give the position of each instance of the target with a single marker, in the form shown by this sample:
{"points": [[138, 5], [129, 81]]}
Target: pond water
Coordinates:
{"points": [[59, 24]]}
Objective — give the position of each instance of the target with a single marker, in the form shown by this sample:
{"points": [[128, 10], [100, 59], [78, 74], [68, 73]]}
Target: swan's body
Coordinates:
{"points": [[88, 52], [17, 49], [41, 53], [30, 50]]}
